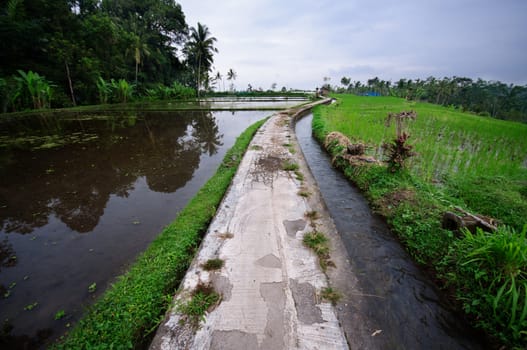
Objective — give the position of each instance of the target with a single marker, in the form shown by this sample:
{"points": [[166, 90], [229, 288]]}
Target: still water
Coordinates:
{"points": [[80, 198]]}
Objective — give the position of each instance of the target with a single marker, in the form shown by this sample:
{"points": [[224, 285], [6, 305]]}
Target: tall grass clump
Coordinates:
{"points": [[130, 310], [490, 273]]}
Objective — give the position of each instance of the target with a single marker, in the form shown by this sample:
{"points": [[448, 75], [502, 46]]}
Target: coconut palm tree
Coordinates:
{"points": [[200, 51], [218, 77], [231, 75]]}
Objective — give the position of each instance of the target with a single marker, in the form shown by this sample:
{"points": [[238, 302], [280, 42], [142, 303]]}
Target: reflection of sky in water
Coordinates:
{"points": [[87, 210]]}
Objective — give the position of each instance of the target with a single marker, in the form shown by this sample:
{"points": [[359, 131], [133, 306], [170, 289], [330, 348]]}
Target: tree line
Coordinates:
{"points": [[487, 98], [69, 52]]}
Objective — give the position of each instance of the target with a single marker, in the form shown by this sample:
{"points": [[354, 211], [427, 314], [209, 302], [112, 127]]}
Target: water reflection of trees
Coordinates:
{"points": [[75, 183], [7, 254], [206, 130]]}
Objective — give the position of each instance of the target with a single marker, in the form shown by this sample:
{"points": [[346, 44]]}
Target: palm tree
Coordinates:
{"points": [[231, 75], [200, 51], [219, 78], [140, 49]]}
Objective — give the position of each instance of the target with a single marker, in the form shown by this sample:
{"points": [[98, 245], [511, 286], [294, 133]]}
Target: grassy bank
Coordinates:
{"points": [[461, 160], [130, 310]]}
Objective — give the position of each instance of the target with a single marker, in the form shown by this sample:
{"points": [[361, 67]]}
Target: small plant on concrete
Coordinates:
{"points": [[312, 215], [213, 264], [304, 193], [318, 242], [299, 176], [331, 295], [204, 298], [290, 147], [290, 166]]}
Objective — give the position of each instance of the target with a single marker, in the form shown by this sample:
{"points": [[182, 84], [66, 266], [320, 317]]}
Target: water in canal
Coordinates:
{"points": [[400, 301], [82, 196]]}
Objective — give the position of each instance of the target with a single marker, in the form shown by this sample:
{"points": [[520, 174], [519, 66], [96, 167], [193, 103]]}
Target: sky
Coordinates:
{"points": [[296, 44]]}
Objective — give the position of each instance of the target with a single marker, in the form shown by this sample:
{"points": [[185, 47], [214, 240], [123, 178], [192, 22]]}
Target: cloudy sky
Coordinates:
{"points": [[297, 43]]}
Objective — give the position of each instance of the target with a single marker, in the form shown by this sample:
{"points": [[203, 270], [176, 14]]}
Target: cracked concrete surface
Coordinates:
{"points": [[270, 282]]}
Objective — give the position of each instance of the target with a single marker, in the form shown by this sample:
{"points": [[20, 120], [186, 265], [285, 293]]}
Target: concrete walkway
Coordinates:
{"points": [[270, 284]]}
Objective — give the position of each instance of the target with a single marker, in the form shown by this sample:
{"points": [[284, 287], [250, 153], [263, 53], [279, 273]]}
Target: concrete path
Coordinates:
{"points": [[270, 284]]}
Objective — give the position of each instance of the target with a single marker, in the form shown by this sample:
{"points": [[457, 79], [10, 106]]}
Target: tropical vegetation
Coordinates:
{"points": [[459, 160], [65, 53], [486, 98], [200, 50]]}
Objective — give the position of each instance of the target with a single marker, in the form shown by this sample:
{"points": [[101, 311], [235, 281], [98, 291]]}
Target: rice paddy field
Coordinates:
{"points": [[465, 155], [460, 160]]}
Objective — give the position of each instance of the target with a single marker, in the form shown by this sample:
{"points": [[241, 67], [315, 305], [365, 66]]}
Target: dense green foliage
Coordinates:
{"points": [[462, 160], [133, 306], [74, 44], [490, 273], [486, 98]]}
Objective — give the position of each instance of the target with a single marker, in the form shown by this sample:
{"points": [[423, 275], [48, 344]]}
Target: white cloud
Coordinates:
{"points": [[297, 43]]}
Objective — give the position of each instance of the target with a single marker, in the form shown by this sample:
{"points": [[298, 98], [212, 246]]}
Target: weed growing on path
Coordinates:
{"points": [[288, 165], [213, 264], [204, 298], [331, 295], [319, 243]]}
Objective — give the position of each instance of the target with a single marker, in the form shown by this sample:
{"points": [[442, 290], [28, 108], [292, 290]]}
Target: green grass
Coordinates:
{"points": [[213, 264], [463, 160], [331, 295], [204, 298], [319, 243], [130, 310], [497, 262], [290, 166], [448, 141]]}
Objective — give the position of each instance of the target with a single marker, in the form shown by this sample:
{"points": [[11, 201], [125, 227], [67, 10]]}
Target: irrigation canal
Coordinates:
{"points": [[397, 307]]}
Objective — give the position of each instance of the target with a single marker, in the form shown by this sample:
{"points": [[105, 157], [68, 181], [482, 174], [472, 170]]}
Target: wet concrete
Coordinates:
{"points": [[388, 303]]}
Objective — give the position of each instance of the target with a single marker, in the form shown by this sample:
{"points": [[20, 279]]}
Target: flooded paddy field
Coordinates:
{"points": [[81, 196]]}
